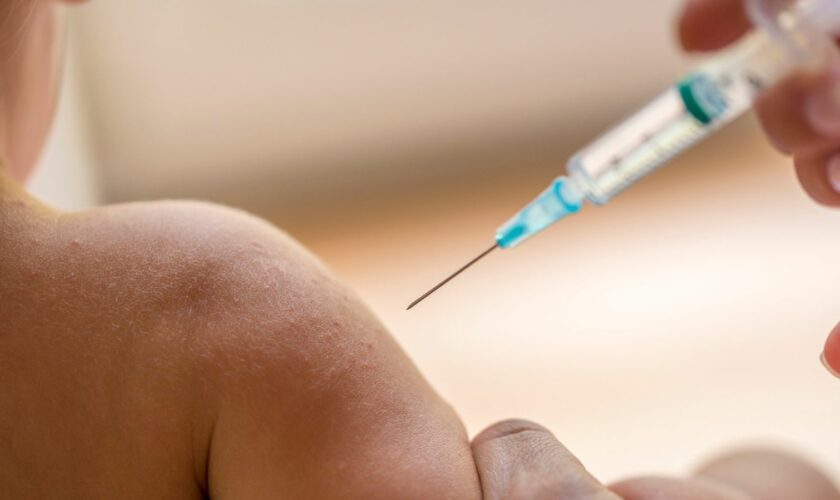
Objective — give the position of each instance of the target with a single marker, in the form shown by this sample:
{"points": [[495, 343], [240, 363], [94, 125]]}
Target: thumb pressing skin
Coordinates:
{"points": [[517, 459]]}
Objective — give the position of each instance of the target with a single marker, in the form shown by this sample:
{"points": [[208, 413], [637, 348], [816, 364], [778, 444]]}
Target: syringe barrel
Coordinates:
{"points": [[639, 145], [705, 100]]}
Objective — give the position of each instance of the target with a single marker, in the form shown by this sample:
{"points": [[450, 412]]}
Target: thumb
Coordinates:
{"points": [[519, 459]]}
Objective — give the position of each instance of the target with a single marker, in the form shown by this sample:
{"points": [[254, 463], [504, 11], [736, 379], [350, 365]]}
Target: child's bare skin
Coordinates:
{"points": [[170, 350], [184, 350], [174, 350]]}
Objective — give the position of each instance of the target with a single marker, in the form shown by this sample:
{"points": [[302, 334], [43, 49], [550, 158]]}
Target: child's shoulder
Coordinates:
{"points": [[290, 376], [195, 273], [194, 250]]}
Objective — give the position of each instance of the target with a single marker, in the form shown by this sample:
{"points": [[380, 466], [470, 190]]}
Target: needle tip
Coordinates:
{"points": [[451, 277]]}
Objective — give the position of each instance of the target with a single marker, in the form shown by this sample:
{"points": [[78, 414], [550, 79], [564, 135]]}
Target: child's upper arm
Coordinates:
{"points": [[308, 395]]}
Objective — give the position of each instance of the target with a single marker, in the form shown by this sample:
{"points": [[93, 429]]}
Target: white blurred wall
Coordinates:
{"points": [[66, 176], [247, 101]]}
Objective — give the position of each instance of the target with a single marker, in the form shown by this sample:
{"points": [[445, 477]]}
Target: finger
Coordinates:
{"points": [[831, 354], [787, 114], [706, 25], [801, 116], [522, 460], [769, 475], [654, 488], [819, 176], [822, 106]]}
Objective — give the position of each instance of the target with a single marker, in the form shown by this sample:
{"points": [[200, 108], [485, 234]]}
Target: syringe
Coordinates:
{"points": [[787, 36]]}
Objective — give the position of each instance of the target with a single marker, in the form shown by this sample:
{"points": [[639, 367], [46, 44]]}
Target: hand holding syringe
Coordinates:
{"points": [[788, 37]]}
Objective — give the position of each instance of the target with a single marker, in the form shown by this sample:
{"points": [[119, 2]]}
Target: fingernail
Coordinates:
{"points": [[828, 366], [823, 107], [833, 172]]}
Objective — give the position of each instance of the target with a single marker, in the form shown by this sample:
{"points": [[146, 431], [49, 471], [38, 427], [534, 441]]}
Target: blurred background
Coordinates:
{"points": [[392, 137]]}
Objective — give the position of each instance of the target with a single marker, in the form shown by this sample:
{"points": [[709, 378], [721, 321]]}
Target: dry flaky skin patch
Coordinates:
{"points": [[178, 349]]}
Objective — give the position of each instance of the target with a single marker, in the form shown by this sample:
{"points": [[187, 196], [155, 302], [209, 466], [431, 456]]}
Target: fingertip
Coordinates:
{"points": [[815, 174], [827, 365], [822, 105], [521, 459], [690, 29], [831, 352], [647, 488], [832, 172], [762, 473], [796, 120], [707, 25]]}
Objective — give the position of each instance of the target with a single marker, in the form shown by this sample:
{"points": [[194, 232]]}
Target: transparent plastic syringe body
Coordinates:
{"points": [[698, 105], [695, 108]]}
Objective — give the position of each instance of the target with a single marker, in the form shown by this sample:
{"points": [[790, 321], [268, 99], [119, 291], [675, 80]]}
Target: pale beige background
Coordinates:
{"points": [[393, 137]]}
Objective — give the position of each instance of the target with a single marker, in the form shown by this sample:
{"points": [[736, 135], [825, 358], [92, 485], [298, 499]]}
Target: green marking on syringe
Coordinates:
{"points": [[702, 99]]}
